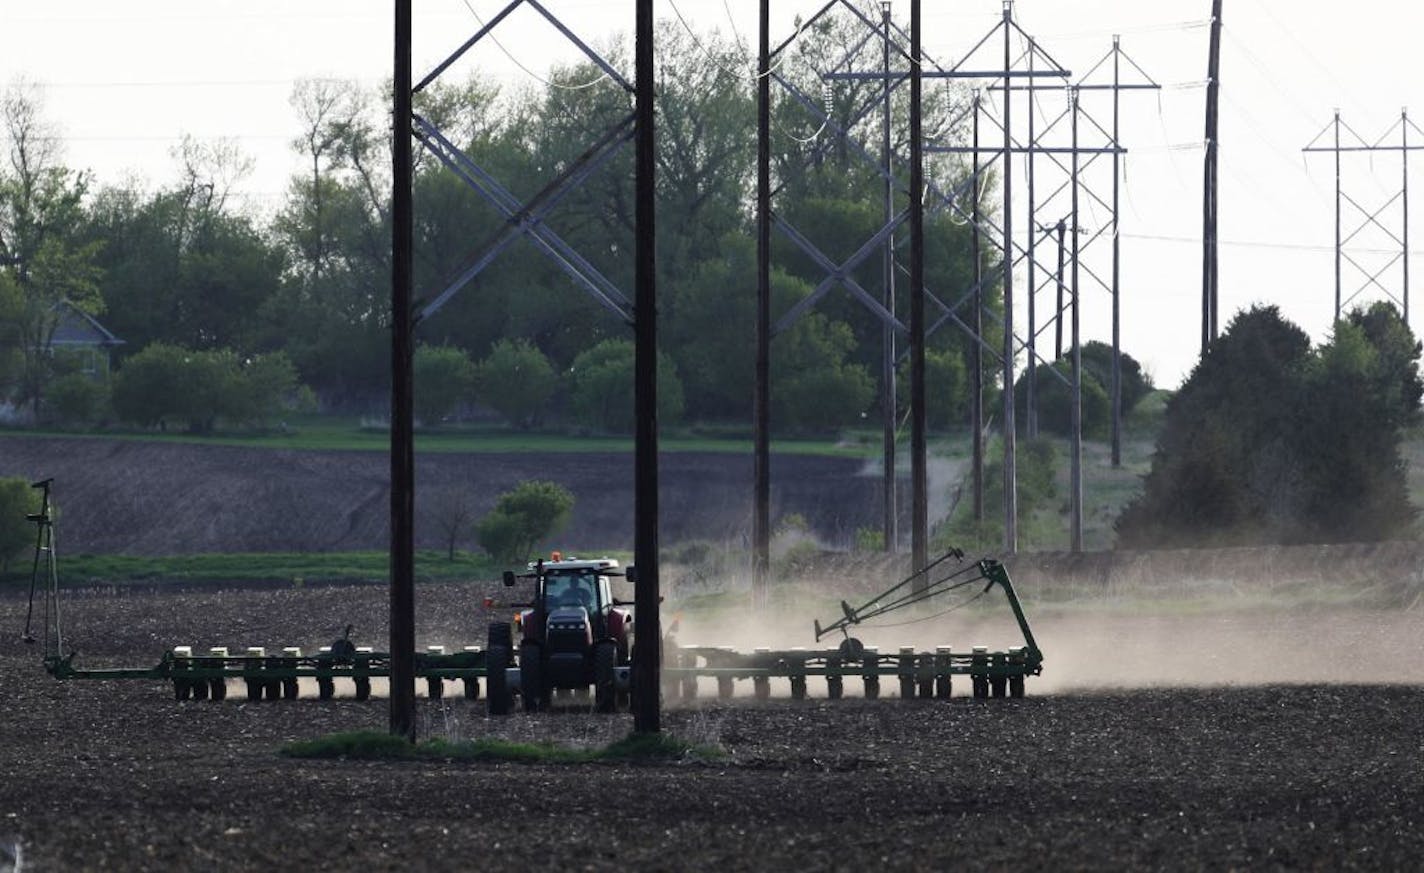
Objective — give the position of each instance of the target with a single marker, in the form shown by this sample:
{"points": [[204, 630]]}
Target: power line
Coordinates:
{"points": [[513, 60], [1257, 244]]}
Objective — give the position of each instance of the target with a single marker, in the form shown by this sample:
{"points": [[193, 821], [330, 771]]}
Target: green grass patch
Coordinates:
{"points": [[334, 433], [377, 746], [294, 568]]}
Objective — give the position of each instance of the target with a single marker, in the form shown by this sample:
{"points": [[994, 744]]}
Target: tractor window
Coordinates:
{"points": [[569, 589]]}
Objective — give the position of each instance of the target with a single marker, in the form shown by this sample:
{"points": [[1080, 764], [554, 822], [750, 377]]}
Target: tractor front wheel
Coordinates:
{"points": [[496, 680], [605, 678]]}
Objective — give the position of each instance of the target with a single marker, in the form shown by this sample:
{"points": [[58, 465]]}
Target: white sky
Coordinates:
{"points": [[124, 81]]}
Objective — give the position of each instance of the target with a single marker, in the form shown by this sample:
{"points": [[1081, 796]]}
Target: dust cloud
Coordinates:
{"points": [[1151, 637]]}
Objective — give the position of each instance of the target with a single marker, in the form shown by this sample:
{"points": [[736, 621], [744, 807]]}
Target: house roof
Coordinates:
{"points": [[79, 328]]}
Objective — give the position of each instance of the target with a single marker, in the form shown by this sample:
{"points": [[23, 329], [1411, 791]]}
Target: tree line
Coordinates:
{"points": [[182, 273]]}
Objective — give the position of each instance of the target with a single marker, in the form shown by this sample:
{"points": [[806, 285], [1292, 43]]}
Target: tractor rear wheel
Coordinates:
{"points": [[218, 689], [531, 678], [605, 678], [363, 688], [1016, 686], [496, 662], [325, 689], [835, 687]]}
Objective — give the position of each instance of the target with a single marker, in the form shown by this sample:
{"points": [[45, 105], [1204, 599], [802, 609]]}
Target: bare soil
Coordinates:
{"points": [[152, 498], [118, 776]]}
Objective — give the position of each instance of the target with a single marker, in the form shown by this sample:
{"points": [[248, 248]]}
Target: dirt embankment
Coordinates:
{"points": [[131, 497]]}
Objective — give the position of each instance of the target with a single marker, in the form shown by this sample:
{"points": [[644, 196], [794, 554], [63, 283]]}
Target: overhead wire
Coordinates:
{"points": [[512, 59], [716, 61], [1260, 244]]}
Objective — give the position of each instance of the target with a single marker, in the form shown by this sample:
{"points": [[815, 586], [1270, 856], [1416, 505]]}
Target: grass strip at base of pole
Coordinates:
{"points": [[379, 746]]}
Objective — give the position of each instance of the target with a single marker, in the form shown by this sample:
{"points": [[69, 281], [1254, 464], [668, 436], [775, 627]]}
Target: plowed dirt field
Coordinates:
{"points": [[119, 776]]}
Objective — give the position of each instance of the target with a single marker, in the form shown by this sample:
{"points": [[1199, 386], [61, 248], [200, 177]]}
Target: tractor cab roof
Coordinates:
{"points": [[599, 564]]}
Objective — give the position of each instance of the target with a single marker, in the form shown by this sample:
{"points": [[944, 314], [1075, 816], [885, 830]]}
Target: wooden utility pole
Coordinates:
{"points": [[1011, 491], [976, 357], [1115, 389], [888, 410], [402, 605], [919, 521], [1209, 188], [1076, 465], [647, 662], [761, 399]]}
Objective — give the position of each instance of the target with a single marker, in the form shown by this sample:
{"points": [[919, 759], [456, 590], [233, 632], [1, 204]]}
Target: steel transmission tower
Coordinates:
{"points": [[1370, 219]]}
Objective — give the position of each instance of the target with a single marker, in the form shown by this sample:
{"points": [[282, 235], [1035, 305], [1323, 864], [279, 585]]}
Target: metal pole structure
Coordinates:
{"points": [[976, 358], [761, 400], [1116, 387], [1209, 272], [1337, 215], [919, 521], [1032, 404], [1011, 508], [887, 331], [647, 659], [1404, 192], [1058, 325], [402, 605], [1371, 280], [1076, 472]]}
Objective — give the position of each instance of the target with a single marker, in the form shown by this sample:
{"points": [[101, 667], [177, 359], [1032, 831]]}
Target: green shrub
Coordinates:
{"points": [[516, 380], [77, 400], [870, 539], [522, 518], [443, 377], [17, 534], [165, 383], [602, 390]]}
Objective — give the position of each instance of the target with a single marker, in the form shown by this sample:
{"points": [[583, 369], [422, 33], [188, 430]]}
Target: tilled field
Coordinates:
{"points": [[118, 776]]}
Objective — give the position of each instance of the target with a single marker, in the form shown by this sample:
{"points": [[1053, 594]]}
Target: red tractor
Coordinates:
{"points": [[572, 634]]}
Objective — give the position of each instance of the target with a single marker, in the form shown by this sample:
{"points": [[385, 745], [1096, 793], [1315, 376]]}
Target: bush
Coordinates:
{"points": [[1037, 467], [77, 400], [522, 518], [149, 385], [1270, 441], [164, 383], [1055, 402], [814, 385], [870, 539], [17, 533], [946, 388], [602, 392], [443, 377], [516, 380], [269, 386]]}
